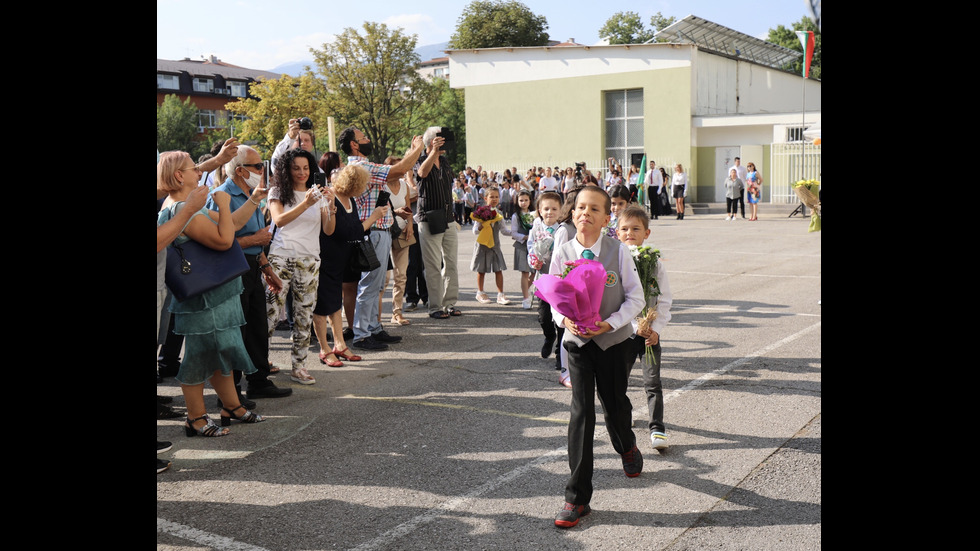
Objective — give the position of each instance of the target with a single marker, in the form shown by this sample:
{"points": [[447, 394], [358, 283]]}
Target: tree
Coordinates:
{"points": [[788, 39], [496, 24], [266, 119], [177, 125], [625, 27], [374, 84], [659, 23]]}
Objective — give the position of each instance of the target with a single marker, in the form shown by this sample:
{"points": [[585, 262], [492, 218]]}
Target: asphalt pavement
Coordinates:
{"points": [[455, 438]]}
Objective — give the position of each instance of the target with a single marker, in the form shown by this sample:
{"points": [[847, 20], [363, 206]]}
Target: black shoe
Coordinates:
{"points": [[368, 343], [165, 399], [167, 412], [245, 402], [265, 391], [549, 345], [570, 515], [167, 371], [162, 465], [163, 446], [348, 334], [383, 336], [633, 462], [410, 306]]}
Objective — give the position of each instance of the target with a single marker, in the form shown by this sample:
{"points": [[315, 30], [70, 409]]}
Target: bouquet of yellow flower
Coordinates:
{"points": [[487, 217], [807, 191], [646, 258]]}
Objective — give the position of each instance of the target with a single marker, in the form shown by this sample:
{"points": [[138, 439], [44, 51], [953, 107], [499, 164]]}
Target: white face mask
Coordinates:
{"points": [[253, 179]]}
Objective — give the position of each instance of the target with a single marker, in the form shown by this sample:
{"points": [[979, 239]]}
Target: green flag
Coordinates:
{"points": [[641, 188]]}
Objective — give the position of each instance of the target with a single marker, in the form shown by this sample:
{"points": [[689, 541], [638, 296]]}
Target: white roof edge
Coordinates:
{"points": [[717, 121]]}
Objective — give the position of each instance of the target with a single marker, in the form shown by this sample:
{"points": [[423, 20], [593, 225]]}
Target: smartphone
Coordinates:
{"points": [[265, 172], [383, 198], [319, 179]]}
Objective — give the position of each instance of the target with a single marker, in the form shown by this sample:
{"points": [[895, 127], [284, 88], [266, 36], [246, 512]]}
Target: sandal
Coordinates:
{"points": [[331, 363], [399, 320], [273, 369], [209, 429], [439, 315], [346, 354], [454, 312], [302, 376], [247, 417]]}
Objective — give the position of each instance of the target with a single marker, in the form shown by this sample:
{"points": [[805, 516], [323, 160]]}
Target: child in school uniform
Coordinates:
{"points": [[490, 259], [619, 199], [565, 232], [547, 209], [634, 229], [599, 360], [520, 229]]}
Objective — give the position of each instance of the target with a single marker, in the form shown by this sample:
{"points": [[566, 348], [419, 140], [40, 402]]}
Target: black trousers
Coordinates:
{"points": [[654, 201], [741, 203], [255, 332], [606, 373], [731, 207], [415, 289]]}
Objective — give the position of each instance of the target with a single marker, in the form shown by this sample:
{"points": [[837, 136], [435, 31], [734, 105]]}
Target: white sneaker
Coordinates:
{"points": [[526, 303], [659, 440], [728, 218], [483, 298], [501, 299]]}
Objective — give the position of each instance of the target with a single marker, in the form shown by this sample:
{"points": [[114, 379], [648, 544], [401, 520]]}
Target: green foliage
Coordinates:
{"points": [[788, 39], [497, 24], [625, 27], [267, 118], [448, 108], [374, 85], [659, 23], [177, 125]]}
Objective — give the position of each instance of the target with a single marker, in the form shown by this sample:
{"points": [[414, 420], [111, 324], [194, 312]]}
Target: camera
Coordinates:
{"points": [[578, 170], [450, 138], [306, 123]]}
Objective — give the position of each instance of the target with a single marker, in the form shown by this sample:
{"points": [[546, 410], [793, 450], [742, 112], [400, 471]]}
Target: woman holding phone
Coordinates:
{"points": [[295, 207]]}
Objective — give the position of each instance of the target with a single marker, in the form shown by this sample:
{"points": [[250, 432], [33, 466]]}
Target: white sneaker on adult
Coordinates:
{"points": [[659, 440]]}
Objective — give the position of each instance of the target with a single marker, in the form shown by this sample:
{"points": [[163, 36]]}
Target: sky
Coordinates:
{"points": [[261, 34]]}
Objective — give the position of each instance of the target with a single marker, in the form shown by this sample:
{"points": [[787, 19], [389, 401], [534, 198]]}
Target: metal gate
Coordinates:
{"points": [[789, 163]]}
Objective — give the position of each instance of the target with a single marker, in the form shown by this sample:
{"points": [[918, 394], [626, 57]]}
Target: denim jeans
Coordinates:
{"points": [[369, 287]]}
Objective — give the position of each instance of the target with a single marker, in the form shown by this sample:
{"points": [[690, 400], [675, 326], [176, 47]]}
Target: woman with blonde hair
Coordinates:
{"points": [[341, 231], [211, 322]]}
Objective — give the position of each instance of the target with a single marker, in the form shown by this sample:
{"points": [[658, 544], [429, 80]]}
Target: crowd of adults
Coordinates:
{"points": [[300, 231]]}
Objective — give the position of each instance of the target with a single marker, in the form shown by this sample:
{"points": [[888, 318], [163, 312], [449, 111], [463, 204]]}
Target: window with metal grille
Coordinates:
{"points": [[624, 125]]}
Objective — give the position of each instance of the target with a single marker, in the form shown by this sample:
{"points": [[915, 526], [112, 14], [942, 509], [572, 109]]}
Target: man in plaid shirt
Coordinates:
{"points": [[368, 332]]}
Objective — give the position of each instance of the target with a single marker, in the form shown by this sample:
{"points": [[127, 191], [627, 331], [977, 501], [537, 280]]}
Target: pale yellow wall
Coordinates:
{"points": [[560, 121]]}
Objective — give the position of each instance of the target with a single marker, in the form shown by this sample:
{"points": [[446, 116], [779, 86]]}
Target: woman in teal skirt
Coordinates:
{"points": [[211, 322]]}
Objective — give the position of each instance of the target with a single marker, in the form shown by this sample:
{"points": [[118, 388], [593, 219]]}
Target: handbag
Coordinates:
{"points": [[193, 268], [437, 220], [362, 256]]}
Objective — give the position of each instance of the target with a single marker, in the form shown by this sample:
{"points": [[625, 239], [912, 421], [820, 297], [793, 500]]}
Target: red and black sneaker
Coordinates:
{"points": [[570, 515], [633, 462]]}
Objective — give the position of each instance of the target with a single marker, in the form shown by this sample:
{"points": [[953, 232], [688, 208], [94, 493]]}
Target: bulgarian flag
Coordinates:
{"points": [[806, 39], [641, 188]]}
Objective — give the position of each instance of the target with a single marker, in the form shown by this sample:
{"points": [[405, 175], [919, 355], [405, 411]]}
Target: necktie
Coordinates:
{"points": [[588, 255], [551, 231]]}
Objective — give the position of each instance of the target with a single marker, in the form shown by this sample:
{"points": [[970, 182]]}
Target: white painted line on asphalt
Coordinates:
{"points": [[406, 527], [211, 541]]}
